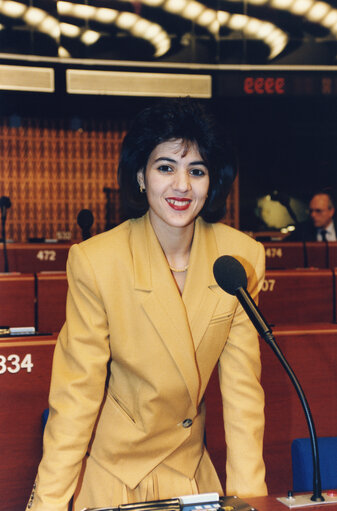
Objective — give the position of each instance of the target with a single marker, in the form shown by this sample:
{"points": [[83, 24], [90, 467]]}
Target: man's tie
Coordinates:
{"points": [[323, 234]]}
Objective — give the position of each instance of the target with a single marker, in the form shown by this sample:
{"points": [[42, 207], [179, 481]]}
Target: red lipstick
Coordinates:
{"points": [[178, 203]]}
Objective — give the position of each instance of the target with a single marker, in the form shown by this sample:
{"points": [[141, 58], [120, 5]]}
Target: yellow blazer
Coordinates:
{"points": [[124, 311]]}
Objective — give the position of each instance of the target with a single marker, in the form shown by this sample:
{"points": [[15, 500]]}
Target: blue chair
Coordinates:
{"points": [[302, 465]]}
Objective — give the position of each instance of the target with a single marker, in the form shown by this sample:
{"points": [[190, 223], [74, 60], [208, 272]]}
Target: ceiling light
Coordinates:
{"points": [[162, 49], [64, 7], [140, 27], [253, 26], [265, 30], [237, 21], [153, 3], [223, 17], [105, 15], [278, 47], [318, 11], [90, 37], [214, 27], [83, 11], [160, 38], [175, 6], [126, 20], [152, 31], [330, 19], [207, 17], [272, 37], [34, 16], [301, 6], [63, 53], [281, 39], [334, 29], [12, 9], [281, 4], [258, 2], [193, 10], [50, 26], [69, 30]]}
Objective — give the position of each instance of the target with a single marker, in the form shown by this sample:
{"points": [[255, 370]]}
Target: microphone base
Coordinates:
{"points": [[305, 500]]}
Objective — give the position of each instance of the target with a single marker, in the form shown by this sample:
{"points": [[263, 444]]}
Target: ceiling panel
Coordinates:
{"points": [[260, 32]]}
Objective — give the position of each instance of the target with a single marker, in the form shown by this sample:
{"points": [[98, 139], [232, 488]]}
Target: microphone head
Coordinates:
{"points": [[85, 219], [5, 202], [229, 274]]}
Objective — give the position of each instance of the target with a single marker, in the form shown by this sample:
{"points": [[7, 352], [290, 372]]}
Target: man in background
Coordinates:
{"points": [[320, 225]]}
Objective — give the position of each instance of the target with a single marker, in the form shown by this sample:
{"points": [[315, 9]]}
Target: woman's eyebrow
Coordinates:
{"points": [[166, 158], [198, 162]]}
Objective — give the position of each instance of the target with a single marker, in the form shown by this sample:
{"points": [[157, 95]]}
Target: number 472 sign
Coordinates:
{"points": [[14, 364]]}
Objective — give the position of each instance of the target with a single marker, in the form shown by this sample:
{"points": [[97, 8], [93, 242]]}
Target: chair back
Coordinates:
{"points": [[302, 463]]}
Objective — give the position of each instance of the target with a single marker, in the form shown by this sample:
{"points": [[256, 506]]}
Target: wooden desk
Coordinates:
{"points": [[298, 296], [311, 350], [51, 301], [17, 299], [35, 257], [23, 397], [271, 504], [286, 255]]}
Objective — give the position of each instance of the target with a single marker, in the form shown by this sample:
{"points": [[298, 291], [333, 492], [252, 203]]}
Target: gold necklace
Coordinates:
{"points": [[179, 270]]}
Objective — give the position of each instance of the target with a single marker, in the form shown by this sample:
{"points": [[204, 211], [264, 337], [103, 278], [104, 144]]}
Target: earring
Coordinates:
{"points": [[142, 188]]}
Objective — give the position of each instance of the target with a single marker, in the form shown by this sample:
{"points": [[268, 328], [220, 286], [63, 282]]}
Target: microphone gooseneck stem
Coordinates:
{"points": [[305, 254], [327, 255], [266, 333], [3, 222], [317, 486]]}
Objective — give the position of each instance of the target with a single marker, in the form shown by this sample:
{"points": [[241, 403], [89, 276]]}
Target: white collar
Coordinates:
{"points": [[330, 232]]}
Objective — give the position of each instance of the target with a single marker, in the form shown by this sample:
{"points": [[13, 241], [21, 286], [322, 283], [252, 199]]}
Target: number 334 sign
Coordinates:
{"points": [[13, 363]]}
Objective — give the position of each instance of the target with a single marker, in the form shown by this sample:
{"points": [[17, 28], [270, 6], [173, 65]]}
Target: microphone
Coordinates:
{"points": [[231, 276], [5, 203], [85, 219]]}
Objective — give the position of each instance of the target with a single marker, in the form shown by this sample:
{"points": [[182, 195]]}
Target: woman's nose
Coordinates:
{"points": [[182, 182]]}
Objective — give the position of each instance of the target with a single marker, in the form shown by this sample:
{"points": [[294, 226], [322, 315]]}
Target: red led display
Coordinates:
{"points": [[267, 85]]}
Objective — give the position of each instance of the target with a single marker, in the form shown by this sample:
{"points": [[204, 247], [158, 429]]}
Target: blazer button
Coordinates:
{"points": [[187, 423]]}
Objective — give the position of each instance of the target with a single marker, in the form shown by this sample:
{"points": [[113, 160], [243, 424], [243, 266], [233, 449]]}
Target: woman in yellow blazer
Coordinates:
{"points": [[146, 324]]}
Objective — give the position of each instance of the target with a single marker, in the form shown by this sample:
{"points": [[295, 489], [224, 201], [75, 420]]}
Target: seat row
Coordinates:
{"points": [[37, 300], [287, 296], [286, 255], [37, 257]]}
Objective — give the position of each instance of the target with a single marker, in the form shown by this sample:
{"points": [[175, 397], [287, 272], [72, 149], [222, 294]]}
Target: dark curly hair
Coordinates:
{"points": [[176, 119]]}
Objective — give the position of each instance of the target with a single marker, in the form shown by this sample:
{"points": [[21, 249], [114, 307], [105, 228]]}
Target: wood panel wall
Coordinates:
{"points": [[51, 171]]}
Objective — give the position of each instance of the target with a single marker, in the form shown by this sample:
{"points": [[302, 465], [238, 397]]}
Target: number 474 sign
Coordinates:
{"points": [[14, 364]]}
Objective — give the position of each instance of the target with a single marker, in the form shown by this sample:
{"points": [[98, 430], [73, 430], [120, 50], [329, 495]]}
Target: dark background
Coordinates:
{"points": [[281, 143]]}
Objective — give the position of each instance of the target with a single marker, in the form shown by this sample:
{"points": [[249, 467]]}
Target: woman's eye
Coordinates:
{"points": [[165, 168], [197, 172]]}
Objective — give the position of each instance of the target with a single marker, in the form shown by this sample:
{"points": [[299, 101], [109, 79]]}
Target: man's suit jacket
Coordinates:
{"points": [[124, 310], [305, 231]]}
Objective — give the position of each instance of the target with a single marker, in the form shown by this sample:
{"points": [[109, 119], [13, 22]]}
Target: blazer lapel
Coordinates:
{"points": [[162, 302], [199, 293]]}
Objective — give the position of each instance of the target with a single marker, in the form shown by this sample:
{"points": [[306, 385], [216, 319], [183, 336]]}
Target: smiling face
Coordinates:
{"points": [[176, 181]]}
